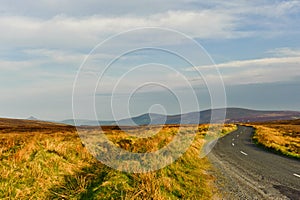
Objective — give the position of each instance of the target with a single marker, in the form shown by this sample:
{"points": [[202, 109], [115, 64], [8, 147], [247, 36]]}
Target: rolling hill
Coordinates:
{"points": [[233, 115]]}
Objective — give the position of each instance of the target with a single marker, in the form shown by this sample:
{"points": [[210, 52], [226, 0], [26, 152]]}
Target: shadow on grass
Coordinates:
{"points": [[95, 182], [273, 150]]}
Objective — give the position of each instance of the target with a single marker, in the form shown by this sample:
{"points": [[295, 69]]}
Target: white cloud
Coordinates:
{"points": [[56, 56], [285, 52], [17, 65], [62, 31], [265, 70], [252, 63], [42, 60], [46, 8], [215, 19], [47, 40]]}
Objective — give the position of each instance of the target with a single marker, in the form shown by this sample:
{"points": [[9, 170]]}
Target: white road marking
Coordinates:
{"points": [[232, 144], [297, 175], [244, 153]]}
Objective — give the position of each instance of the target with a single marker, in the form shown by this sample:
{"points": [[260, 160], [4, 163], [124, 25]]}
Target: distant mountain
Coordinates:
{"points": [[149, 118], [233, 115], [32, 118], [245, 115]]}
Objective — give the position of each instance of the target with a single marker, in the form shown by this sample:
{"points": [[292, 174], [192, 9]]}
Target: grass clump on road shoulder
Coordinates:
{"points": [[284, 139], [228, 128]]}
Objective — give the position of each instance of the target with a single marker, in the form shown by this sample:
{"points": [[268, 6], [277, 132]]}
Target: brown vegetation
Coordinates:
{"points": [[280, 136], [48, 161]]}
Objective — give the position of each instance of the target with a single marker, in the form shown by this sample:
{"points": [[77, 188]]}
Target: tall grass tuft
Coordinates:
{"points": [[52, 163]]}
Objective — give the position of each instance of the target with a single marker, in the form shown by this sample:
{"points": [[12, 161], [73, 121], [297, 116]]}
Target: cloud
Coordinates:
{"points": [[48, 8], [35, 60], [17, 65], [265, 70], [264, 18], [44, 42], [80, 30], [254, 62], [284, 52], [86, 26], [77, 32], [56, 56]]}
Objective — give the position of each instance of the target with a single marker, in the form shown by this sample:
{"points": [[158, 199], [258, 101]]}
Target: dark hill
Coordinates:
{"points": [[233, 115]]}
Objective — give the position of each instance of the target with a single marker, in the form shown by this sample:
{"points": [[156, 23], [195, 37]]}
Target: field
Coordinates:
{"points": [[280, 136], [49, 161]]}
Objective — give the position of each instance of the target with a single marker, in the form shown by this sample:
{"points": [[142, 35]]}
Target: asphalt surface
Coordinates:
{"points": [[250, 172]]}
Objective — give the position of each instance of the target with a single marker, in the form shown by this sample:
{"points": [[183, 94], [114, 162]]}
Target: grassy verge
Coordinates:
{"points": [[283, 139], [52, 164], [228, 128]]}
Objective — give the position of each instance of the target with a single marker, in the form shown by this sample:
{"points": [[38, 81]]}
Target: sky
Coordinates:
{"points": [[54, 51]]}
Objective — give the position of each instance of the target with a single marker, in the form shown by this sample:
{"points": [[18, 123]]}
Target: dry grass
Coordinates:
{"points": [[282, 137], [48, 161]]}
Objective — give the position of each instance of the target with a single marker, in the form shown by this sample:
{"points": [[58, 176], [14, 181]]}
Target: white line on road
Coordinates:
{"points": [[297, 175], [232, 144], [244, 153]]}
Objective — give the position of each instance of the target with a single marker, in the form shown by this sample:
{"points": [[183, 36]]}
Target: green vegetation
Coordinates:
{"points": [[53, 164]]}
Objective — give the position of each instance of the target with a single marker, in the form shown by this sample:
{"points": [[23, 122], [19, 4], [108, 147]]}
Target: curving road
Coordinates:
{"points": [[249, 172]]}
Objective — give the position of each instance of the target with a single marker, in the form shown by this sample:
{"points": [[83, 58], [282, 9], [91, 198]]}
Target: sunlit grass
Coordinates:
{"points": [[52, 163], [281, 138]]}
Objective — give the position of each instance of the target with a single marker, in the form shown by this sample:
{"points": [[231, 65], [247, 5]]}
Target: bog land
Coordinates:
{"points": [[41, 160]]}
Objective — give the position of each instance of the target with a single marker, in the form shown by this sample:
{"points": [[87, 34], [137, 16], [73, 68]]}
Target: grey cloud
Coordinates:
{"points": [[50, 8]]}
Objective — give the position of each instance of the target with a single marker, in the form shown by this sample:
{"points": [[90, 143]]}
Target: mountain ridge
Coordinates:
{"points": [[233, 115]]}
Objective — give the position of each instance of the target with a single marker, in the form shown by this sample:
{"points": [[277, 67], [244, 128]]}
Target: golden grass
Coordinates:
{"points": [[50, 162], [38, 162], [282, 138]]}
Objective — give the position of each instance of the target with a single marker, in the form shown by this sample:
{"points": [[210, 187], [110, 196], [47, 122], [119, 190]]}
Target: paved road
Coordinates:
{"points": [[250, 172]]}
